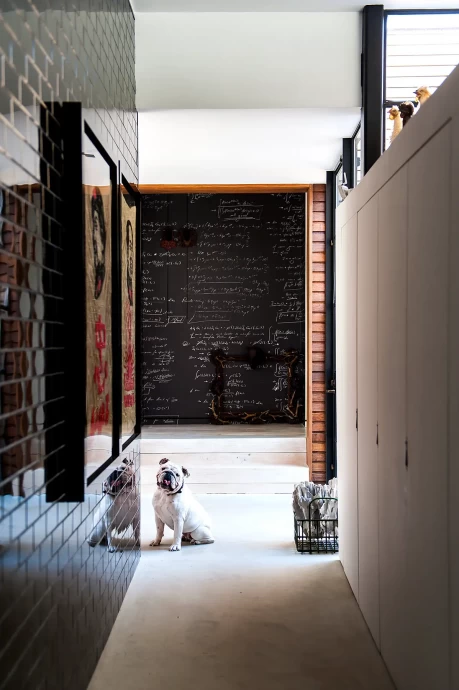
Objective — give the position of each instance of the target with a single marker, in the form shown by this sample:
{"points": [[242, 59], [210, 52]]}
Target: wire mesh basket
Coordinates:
{"points": [[316, 535]]}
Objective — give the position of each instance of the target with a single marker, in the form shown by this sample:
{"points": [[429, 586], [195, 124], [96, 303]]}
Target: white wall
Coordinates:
{"points": [[247, 60], [23, 164], [241, 146]]}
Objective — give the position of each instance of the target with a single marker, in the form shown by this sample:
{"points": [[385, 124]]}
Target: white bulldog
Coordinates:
{"points": [[119, 508], [176, 507]]}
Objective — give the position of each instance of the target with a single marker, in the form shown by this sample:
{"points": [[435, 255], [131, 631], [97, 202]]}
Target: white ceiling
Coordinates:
{"points": [[281, 5], [248, 60], [245, 98], [242, 146]]}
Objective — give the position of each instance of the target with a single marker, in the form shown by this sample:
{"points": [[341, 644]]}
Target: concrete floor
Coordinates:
{"points": [[247, 612]]}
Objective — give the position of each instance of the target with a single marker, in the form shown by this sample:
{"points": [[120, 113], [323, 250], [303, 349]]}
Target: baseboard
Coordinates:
{"points": [[262, 488]]}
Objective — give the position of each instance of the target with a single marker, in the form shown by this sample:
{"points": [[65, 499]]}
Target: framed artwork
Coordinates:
{"points": [[100, 250], [101, 264], [2, 204], [130, 247]]}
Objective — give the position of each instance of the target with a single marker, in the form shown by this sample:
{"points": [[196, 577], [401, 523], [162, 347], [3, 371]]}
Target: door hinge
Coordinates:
{"points": [[331, 243], [357, 420], [332, 386], [406, 452], [377, 434]]}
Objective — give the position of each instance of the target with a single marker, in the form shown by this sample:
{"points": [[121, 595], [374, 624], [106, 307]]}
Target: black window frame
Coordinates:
{"points": [[339, 168], [348, 161], [355, 159]]}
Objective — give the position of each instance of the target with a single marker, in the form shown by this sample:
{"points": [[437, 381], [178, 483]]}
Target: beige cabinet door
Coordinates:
{"points": [[367, 389], [346, 392], [453, 399], [427, 413], [392, 472]]}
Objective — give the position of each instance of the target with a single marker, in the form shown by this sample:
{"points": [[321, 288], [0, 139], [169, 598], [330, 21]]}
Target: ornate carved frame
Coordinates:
{"points": [[291, 412]]}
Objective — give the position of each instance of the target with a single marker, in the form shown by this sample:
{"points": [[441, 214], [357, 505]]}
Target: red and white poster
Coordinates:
{"points": [[98, 253], [128, 297]]}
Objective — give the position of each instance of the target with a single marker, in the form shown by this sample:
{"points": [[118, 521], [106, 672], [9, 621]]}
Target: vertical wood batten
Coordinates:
{"points": [[316, 337], [309, 322]]}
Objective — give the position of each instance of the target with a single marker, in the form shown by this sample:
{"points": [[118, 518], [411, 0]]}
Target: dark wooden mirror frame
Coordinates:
{"points": [[289, 414]]}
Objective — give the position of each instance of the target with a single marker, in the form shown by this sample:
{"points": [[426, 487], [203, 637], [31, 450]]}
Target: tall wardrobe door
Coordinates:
{"points": [[339, 290], [346, 388], [427, 413], [453, 381], [392, 300], [367, 386]]}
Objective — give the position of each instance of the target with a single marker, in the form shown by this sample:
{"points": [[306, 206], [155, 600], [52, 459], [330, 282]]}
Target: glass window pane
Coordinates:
{"points": [[358, 157], [421, 50]]}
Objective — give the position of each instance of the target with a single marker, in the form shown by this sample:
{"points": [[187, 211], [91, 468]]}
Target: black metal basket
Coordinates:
{"points": [[316, 535]]}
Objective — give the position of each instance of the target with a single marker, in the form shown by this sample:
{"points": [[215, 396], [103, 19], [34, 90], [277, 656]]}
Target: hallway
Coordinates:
{"points": [[246, 612]]}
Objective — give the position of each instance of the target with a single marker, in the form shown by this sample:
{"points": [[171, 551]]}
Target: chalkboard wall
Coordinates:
{"points": [[233, 279]]}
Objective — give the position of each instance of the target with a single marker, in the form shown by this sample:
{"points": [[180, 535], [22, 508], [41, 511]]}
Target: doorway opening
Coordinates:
{"points": [[227, 270]]}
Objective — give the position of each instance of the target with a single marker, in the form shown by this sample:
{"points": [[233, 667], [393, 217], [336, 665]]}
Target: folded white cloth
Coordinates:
{"points": [[311, 501]]}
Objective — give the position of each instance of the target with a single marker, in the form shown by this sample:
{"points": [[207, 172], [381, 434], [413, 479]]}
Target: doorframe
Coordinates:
{"points": [[306, 189], [223, 188], [330, 332]]}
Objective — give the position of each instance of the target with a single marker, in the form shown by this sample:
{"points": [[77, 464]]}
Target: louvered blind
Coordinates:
{"points": [[421, 50]]}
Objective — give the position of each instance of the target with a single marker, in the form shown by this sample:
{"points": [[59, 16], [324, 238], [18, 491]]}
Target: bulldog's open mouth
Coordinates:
{"points": [[168, 481]]}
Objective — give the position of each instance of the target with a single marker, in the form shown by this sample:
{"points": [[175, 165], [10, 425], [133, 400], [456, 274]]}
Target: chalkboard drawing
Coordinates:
{"points": [[240, 212], [289, 317], [99, 240], [231, 288], [210, 316], [196, 197], [188, 237], [290, 413], [168, 241]]}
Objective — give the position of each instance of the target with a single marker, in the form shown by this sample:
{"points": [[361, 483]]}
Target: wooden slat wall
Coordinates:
{"points": [[317, 435]]}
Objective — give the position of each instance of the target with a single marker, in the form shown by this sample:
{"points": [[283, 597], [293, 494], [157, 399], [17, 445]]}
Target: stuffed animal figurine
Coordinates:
{"points": [[187, 237], [168, 240], [256, 356], [422, 94], [394, 114], [343, 189], [406, 111]]}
